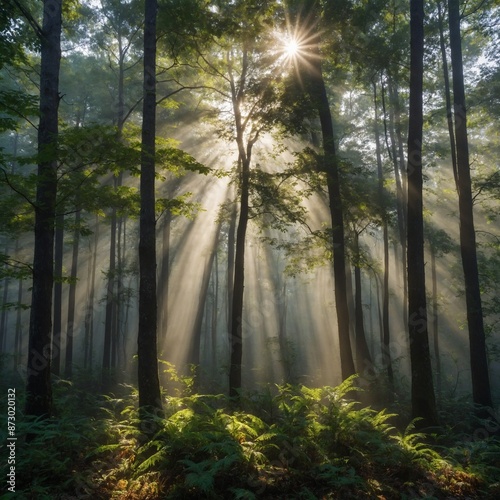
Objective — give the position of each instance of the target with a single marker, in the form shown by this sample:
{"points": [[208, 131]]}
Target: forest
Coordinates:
{"points": [[250, 249]]}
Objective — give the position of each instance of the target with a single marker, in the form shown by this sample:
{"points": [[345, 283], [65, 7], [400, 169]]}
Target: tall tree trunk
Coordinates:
{"points": [[148, 380], [89, 312], [115, 337], [58, 287], [447, 94], [435, 322], [315, 85], [68, 366], [236, 338], [402, 210], [478, 358], [363, 358], [163, 284], [38, 387], [110, 305], [4, 316], [386, 334], [18, 339], [244, 161], [194, 349], [215, 309], [422, 389], [112, 295], [231, 241]]}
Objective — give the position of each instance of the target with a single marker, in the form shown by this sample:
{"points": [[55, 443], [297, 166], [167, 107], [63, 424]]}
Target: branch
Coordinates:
{"points": [[16, 264], [18, 113], [212, 67], [190, 87], [20, 193], [463, 15], [31, 20], [125, 118]]}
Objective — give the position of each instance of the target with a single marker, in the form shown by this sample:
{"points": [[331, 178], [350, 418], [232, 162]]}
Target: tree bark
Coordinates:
{"points": [[195, 347], [236, 338], [481, 391], [58, 286], [148, 380], [399, 167], [363, 357], [110, 305], [68, 364], [386, 334], [163, 285], [435, 322], [89, 308], [422, 389], [4, 315], [315, 85], [447, 94], [38, 386]]}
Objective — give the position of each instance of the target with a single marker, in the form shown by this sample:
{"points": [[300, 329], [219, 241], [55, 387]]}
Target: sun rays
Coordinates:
{"points": [[291, 48], [296, 46]]}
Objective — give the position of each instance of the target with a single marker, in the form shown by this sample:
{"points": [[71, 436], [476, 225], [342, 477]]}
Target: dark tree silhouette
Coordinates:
{"points": [[422, 390], [315, 86], [38, 388], [148, 380], [478, 358]]}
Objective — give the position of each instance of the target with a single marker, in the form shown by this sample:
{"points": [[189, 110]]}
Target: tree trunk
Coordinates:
{"points": [[386, 334], [163, 284], [363, 358], [110, 306], [68, 366], [194, 349], [38, 387], [236, 339], [18, 339], [435, 322], [148, 380], [215, 309], [422, 390], [447, 94], [58, 286], [315, 86], [4, 316], [244, 160], [231, 241], [478, 358], [402, 211], [89, 313]]}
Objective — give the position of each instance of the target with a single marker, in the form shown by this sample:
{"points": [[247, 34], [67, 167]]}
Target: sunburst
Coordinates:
{"points": [[297, 45], [291, 48]]}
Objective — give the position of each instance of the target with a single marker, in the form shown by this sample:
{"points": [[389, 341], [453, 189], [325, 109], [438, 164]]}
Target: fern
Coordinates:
{"points": [[154, 460], [242, 494]]}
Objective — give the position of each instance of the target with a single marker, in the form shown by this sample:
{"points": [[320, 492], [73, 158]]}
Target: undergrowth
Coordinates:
{"points": [[290, 442]]}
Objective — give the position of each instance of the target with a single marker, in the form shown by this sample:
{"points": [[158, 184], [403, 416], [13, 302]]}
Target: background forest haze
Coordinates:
{"points": [[233, 228]]}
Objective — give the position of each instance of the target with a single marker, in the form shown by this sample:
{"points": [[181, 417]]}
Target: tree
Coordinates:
{"points": [[117, 37], [314, 83], [386, 336], [38, 388], [422, 389], [439, 243], [481, 391], [149, 384]]}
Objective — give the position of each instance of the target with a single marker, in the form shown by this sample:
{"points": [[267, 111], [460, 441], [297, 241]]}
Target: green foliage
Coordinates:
{"points": [[15, 106], [289, 441]]}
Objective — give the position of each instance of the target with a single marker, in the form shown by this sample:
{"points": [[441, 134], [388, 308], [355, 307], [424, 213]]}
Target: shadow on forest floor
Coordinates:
{"points": [[288, 442]]}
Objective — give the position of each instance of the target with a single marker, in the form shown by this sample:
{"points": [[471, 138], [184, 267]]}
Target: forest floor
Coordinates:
{"points": [[285, 442]]}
